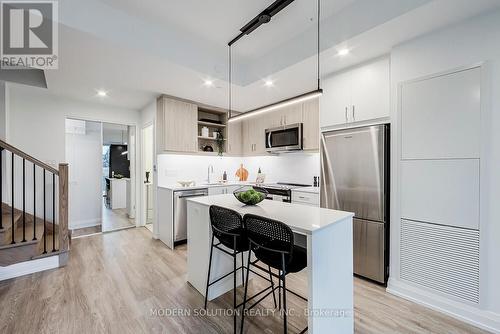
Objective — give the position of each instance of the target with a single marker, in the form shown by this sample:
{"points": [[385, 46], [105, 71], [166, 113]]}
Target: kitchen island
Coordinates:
{"points": [[329, 256]]}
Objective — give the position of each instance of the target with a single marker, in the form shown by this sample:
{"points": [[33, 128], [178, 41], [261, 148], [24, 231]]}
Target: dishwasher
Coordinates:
{"points": [[180, 212]]}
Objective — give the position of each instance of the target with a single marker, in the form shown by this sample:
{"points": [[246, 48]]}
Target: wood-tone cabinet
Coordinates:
{"points": [[310, 120], [254, 128], [356, 95], [178, 125], [234, 138]]}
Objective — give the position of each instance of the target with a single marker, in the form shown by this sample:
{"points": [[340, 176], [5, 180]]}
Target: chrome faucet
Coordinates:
{"points": [[210, 169]]}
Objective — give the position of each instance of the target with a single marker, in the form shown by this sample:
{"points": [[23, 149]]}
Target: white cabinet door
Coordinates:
{"points": [[216, 191], [440, 117], [307, 198], [370, 91], [444, 192], [336, 100]]}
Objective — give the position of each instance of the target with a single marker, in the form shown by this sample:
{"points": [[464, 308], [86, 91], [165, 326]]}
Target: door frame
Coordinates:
{"points": [[143, 211], [134, 172]]}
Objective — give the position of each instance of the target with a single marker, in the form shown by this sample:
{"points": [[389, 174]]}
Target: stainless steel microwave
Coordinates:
{"points": [[284, 138]]}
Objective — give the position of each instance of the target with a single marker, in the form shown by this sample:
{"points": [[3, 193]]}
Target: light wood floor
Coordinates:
{"points": [[113, 281], [115, 219]]}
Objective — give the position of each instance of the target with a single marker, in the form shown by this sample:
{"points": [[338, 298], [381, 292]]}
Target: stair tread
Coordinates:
{"points": [[18, 236], [7, 221]]}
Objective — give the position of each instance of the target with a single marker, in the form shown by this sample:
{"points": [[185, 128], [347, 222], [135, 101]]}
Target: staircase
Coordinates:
{"points": [[33, 210]]}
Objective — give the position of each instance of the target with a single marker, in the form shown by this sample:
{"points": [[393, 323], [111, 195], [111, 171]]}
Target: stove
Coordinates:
{"points": [[280, 191]]}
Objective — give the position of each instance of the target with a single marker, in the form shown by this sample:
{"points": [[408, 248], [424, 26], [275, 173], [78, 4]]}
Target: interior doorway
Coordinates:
{"points": [[117, 204], [148, 175], [102, 176]]}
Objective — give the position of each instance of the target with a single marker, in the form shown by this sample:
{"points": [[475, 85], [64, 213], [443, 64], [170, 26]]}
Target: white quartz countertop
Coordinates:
{"points": [[312, 190], [176, 187], [301, 218]]}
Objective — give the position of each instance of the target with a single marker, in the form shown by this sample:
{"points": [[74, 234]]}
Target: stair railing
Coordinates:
{"points": [[57, 228]]}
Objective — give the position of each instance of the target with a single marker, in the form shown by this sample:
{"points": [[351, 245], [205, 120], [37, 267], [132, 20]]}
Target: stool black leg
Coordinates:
{"points": [[245, 294], [279, 290], [272, 285], [209, 268], [234, 284], [284, 294], [242, 270]]}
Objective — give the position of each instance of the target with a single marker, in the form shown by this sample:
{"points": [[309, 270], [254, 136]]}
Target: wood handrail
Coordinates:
{"points": [[63, 214], [28, 157]]}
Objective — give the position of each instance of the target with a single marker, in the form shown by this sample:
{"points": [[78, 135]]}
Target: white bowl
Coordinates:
{"points": [[186, 183]]}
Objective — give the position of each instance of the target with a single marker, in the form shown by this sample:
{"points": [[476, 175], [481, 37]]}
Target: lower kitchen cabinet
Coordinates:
{"points": [[307, 198], [222, 190]]}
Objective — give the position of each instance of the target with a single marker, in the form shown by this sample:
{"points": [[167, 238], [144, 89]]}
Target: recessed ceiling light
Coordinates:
{"points": [[102, 93], [343, 52], [268, 83], [208, 83]]}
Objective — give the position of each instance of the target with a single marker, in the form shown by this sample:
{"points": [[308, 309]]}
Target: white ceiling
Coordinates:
{"points": [[137, 50]]}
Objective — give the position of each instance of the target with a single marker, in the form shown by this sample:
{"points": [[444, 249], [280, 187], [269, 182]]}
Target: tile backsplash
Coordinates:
{"points": [[292, 167]]}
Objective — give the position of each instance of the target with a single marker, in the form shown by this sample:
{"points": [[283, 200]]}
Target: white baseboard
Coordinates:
{"points": [[84, 223], [29, 267], [480, 318]]}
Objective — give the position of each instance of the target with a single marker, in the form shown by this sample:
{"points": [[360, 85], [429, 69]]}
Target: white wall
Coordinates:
{"points": [[293, 167], [471, 42], [36, 121], [35, 113], [84, 155]]}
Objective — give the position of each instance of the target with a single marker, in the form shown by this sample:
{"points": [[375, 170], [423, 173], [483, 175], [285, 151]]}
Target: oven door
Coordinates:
{"points": [[284, 138]]}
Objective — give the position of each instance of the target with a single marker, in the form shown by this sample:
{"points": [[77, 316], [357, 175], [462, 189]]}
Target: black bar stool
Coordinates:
{"points": [[272, 242], [227, 227]]}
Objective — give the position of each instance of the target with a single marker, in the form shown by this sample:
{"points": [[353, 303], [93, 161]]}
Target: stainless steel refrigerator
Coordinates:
{"points": [[355, 178]]}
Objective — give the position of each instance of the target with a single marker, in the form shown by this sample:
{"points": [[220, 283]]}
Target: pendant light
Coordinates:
{"points": [[263, 18]]}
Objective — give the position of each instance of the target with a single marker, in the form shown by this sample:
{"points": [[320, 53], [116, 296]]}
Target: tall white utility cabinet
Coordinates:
{"points": [[439, 183]]}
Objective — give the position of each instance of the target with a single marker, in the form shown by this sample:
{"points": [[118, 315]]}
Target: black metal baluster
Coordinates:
{"points": [[34, 201], [12, 202], [44, 215], [1, 190], [24, 200], [53, 212]]}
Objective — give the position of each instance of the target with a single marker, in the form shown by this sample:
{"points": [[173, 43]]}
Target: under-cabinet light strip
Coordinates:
{"points": [[277, 105]]}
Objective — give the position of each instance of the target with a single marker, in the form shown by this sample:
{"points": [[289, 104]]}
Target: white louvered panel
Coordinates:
{"points": [[441, 258]]}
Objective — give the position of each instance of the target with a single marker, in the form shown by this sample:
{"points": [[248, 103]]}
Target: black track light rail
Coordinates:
{"points": [[263, 18]]}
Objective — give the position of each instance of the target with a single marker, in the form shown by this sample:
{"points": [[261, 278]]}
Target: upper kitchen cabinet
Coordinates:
{"points": [[234, 138], [178, 125], [310, 119], [440, 116], [356, 95], [253, 130], [336, 100]]}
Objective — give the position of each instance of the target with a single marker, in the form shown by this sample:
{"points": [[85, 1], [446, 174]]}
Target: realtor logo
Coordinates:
{"points": [[29, 36]]}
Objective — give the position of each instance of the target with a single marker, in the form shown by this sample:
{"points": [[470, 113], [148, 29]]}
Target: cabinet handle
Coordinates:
{"points": [[346, 120], [353, 112]]}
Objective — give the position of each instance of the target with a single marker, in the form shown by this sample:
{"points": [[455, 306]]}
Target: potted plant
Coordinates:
{"points": [[219, 140]]}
